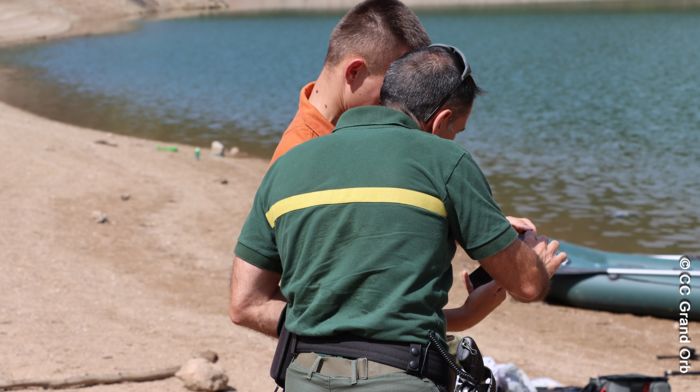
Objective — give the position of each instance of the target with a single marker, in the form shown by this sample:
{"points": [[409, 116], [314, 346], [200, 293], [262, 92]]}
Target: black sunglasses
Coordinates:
{"points": [[459, 56]]}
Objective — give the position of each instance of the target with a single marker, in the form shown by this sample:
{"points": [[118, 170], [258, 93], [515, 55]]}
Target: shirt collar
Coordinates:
{"points": [[374, 115]]}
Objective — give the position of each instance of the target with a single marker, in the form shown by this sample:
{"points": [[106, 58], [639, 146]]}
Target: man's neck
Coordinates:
{"points": [[326, 96]]}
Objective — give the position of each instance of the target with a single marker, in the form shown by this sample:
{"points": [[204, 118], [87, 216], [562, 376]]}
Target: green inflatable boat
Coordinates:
{"points": [[627, 283]]}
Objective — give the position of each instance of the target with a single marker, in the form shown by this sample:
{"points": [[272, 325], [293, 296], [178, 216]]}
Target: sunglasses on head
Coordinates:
{"points": [[461, 62]]}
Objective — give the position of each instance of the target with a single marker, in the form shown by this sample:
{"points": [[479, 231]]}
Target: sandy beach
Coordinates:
{"points": [[149, 287]]}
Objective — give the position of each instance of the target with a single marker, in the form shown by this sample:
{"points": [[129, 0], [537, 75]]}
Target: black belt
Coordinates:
{"points": [[415, 359]]}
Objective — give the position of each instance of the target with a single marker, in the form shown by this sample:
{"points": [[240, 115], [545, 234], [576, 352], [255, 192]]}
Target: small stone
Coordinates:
{"points": [[125, 197], [209, 355], [105, 143], [217, 149], [100, 217], [233, 151], [198, 374], [223, 181]]}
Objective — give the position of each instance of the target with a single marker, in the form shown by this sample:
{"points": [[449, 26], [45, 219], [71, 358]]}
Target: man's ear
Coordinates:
{"points": [[355, 72], [441, 122]]}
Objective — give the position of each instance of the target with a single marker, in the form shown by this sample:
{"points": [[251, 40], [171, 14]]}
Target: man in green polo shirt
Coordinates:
{"points": [[360, 250]]}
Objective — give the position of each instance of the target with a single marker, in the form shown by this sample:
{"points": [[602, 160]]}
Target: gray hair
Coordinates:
{"points": [[419, 80]]}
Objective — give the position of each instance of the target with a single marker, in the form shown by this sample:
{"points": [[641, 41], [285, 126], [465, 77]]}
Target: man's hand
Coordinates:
{"points": [[546, 250], [521, 225], [479, 304], [467, 282]]}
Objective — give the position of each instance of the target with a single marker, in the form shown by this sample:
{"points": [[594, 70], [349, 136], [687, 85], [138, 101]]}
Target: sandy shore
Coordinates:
{"points": [[149, 287]]}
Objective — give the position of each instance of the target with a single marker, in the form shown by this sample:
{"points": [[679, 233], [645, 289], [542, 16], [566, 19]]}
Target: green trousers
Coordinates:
{"points": [[303, 379]]}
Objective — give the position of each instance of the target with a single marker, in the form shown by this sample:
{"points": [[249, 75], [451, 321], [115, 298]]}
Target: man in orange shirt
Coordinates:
{"points": [[367, 39]]}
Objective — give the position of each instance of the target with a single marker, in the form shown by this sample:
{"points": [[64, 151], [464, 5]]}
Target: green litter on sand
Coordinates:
{"points": [[166, 148]]}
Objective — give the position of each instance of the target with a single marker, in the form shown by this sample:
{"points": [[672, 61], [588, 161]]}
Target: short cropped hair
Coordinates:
{"points": [[375, 30], [419, 80]]}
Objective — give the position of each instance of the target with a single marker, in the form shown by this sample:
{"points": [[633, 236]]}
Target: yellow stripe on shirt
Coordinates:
{"points": [[356, 195]]}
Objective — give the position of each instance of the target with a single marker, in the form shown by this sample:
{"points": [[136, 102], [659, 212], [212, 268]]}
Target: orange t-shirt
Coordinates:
{"points": [[307, 124]]}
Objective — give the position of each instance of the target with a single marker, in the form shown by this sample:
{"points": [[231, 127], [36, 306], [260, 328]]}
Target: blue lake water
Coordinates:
{"points": [[591, 123]]}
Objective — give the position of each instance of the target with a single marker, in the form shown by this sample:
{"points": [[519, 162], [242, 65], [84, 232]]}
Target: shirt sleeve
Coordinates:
{"points": [[256, 244], [475, 217]]}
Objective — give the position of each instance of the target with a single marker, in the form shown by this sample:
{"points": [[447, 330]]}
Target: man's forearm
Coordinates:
{"points": [[480, 303], [519, 270], [256, 299], [262, 318], [540, 297]]}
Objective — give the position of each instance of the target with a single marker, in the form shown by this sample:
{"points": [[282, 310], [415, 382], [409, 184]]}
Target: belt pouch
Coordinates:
{"points": [[284, 353]]}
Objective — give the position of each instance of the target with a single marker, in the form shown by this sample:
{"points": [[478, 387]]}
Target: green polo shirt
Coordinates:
{"points": [[362, 226]]}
